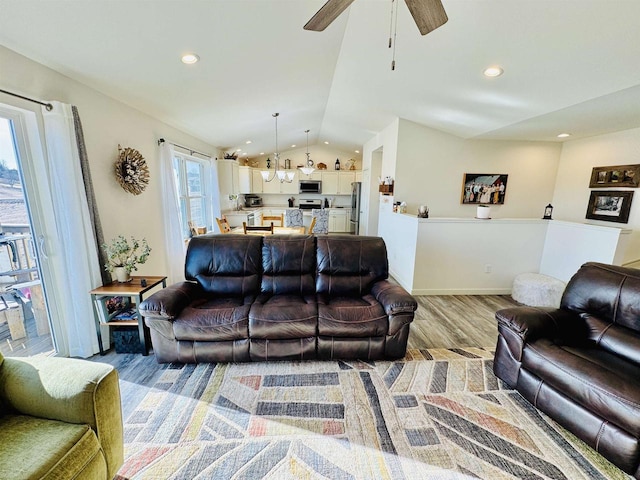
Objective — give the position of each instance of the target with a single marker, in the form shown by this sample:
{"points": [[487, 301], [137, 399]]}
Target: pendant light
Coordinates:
{"points": [[308, 169], [282, 175]]}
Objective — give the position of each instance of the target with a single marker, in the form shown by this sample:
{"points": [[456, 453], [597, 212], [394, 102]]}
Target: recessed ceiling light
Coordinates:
{"points": [[564, 135], [190, 58], [244, 153], [239, 150], [357, 151], [326, 143], [261, 153], [293, 146], [248, 142], [494, 71]]}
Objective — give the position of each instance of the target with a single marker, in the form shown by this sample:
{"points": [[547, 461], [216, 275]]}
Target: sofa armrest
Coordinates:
{"points": [[169, 302], [532, 323], [393, 298], [521, 325], [71, 391]]}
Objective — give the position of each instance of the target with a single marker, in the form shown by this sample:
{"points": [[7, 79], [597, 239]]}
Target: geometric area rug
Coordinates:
{"points": [[436, 414]]}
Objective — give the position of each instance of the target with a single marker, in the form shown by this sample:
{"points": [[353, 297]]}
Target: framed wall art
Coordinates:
{"points": [[484, 188], [615, 176], [610, 205]]}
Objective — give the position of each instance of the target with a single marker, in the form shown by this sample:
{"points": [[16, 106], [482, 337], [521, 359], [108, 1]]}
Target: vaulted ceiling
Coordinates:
{"points": [[570, 66]]}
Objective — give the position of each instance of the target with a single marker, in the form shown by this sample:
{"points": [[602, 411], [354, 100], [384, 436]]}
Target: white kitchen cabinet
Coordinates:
{"points": [[330, 183], [316, 175], [293, 187], [271, 187], [256, 181], [358, 175], [245, 179], [228, 177], [339, 220], [345, 179]]}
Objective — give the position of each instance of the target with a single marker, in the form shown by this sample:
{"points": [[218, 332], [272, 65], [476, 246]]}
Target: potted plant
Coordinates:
{"points": [[123, 257]]}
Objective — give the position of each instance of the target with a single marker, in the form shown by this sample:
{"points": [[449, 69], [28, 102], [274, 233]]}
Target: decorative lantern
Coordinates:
{"points": [[548, 210]]}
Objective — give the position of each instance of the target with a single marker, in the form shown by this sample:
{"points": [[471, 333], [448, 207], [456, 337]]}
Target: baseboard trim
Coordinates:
{"points": [[461, 291]]}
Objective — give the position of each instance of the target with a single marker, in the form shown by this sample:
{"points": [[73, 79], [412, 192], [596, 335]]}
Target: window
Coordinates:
{"points": [[193, 192]]}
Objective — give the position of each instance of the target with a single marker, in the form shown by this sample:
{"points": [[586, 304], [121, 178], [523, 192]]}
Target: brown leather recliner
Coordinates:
{"points": [[580, 364], [250, 298]]}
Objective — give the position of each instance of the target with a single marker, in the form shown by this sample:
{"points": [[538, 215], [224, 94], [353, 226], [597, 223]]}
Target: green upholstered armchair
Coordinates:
{"points": [[60, 418]]}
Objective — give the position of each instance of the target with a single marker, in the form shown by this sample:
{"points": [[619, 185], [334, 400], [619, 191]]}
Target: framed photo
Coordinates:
{"points": [[610, 206], [615, 176], [484, 188]]}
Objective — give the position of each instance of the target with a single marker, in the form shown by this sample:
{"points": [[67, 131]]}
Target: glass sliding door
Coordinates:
{"points": [[25, 323]]}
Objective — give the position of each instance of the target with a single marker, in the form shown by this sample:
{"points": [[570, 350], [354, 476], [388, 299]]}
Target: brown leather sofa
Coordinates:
{"points": [[580, 364], [250, 298]]}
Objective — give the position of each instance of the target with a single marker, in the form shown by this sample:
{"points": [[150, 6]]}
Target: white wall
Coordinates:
{"points": [[106, 123], [430, 165], [572, 191], [568, 245]]}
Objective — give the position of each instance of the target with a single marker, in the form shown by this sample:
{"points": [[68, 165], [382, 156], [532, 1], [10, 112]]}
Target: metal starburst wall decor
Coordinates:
{"points": [[132, 171]]}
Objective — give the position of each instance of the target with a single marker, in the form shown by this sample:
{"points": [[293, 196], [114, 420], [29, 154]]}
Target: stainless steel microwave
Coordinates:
{"points": [[310, 186]]}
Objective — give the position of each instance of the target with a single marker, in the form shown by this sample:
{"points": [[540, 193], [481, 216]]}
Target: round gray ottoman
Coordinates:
{"points": [[537, 290]]}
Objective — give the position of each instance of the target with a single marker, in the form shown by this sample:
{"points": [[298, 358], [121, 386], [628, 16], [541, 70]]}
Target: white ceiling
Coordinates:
{"points": [[570, 65]]}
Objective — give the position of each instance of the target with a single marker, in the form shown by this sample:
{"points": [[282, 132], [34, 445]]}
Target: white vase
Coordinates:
{"points": [[121, 274], [483, 212]]}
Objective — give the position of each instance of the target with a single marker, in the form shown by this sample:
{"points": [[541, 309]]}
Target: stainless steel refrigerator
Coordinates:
{"points": [[356, 189]]}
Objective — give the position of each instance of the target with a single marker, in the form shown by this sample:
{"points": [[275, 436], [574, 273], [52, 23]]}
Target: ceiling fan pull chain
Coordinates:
{"points": [[395, 31], [391, 22]]}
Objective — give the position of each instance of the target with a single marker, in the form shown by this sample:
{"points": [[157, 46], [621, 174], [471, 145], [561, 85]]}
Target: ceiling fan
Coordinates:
{"points": [[428, 14]]}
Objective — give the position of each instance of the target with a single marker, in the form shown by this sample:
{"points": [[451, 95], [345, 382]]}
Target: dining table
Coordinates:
{"points": [[276, 231]]}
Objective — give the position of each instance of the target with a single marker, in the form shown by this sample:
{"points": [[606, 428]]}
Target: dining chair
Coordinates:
{"points": [[293, 218], [257, 228], [313, 224], [320, 221], [223, 224], [272, 218]]}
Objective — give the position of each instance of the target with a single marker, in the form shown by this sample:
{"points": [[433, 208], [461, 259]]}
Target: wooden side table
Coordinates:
{"points": [[134, 291]]}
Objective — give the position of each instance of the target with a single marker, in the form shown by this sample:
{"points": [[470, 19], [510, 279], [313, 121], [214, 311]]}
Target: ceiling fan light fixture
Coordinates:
{"points": [[190, 58], [493, 71]]}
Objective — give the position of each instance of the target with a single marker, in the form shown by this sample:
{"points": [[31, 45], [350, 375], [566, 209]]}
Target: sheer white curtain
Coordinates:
{"points": [[75, 254], [211, 174], [173, 241]]}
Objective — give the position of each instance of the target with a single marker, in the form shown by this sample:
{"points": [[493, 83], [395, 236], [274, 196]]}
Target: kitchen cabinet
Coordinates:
{"points": [[316, 175], [228, 177], [330, 183], [256, 181], [358, 175], [245, 179], [339, 220], [345, 179]]}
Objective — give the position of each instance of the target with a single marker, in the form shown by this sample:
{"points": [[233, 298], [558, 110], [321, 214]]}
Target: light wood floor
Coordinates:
{"points": [[449, 321]]}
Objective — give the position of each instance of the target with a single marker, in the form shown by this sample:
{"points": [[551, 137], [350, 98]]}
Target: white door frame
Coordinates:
{"points": [[32, 164]]}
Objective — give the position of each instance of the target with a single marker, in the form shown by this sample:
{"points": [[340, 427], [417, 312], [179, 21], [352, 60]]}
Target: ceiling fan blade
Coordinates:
{"points": [[428, 14], [327, 14]]}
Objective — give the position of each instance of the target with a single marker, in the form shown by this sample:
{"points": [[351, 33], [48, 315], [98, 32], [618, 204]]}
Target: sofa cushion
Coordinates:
{"points": [[614, 338], [349, 265], [351, 317], [609, 293], [40, 448], [225, 264], [289, 265], [283, 316], [217, 319], [601, 382]]}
